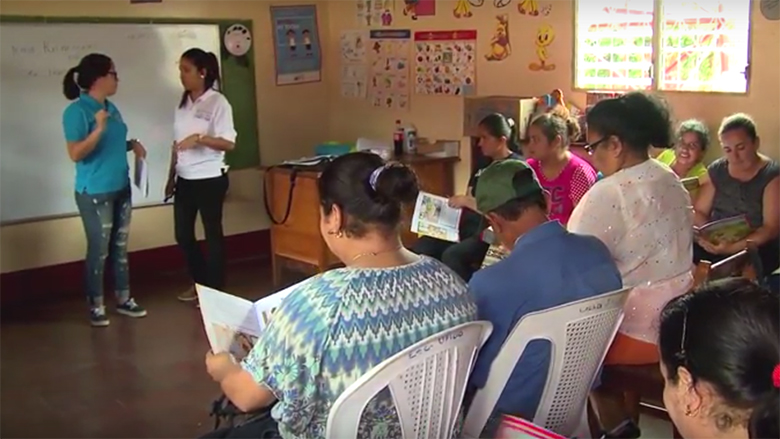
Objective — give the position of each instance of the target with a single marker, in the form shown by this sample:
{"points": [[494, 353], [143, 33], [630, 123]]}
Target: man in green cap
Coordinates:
{"points": [[546, 267]]}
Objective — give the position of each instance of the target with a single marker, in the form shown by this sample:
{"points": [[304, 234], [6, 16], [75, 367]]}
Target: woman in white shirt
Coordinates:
{"points": [[642, 212], [203, 131]]}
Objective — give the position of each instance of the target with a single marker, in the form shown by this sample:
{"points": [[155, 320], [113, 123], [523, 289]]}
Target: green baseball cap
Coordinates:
{"points": [[505, 181]]}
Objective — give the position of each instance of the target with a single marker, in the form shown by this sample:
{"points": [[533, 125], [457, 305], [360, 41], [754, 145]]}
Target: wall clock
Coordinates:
{"points": [[770, 9]]}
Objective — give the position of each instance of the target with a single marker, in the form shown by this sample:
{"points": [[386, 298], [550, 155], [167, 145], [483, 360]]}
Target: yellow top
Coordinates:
{"points": [[668, 157]]}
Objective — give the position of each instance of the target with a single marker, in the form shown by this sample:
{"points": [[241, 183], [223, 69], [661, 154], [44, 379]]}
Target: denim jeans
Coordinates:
{"points": [[106, 219]]}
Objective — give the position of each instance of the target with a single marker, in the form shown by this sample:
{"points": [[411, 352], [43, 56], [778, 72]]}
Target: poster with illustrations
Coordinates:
{"points": [[545, 36], [375, 12], [389, 75], [445, 62], [500, 48], [354, 70], [419, 8], [297, 44]]}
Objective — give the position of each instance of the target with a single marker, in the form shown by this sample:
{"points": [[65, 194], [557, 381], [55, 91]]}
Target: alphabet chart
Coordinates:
{"points": [[389, 68]]}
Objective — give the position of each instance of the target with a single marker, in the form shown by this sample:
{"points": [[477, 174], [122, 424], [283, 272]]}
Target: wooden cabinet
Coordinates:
{"points": [[298, 237]]}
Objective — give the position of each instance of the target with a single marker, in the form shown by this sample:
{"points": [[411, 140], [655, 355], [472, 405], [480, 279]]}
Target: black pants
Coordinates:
{"points": [[769, 253], [464, 257], [206, 197]]}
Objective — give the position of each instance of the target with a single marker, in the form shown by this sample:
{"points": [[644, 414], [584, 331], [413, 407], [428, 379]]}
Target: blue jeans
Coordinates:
{"points": [[106, 219]]}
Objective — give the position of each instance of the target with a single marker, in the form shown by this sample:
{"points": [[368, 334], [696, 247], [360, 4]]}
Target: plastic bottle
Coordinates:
{"points": [[410, 140], [398, 139]]}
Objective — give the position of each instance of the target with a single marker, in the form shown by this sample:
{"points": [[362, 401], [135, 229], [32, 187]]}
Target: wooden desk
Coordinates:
{"points": [[299, 239]]}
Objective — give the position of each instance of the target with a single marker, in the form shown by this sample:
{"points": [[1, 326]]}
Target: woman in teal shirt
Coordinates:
{"points": [[97, 142]]}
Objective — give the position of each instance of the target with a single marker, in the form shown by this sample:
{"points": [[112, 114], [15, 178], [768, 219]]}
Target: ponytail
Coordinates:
{"points": [[765, 417], [70, 88], [213, 79], [513, 139]]}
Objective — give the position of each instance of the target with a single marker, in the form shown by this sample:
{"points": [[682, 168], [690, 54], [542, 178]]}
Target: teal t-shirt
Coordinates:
{"points": [[105, 169]]}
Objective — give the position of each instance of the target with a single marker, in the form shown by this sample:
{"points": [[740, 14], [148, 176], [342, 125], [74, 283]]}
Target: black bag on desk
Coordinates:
{"points": [[310, 164], [230, 422]]}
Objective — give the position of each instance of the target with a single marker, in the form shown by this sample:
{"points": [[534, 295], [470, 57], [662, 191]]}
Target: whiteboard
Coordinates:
{"points": [[37, 177]]}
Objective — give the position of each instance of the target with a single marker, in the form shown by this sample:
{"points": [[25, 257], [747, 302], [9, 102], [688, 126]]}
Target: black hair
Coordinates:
{"points": [[697, 127], [203, 61], [639, 120], [726, 334], [346, 183], [513, 209], [739, 121], [83, 76], [498, 125], [553, 125]]}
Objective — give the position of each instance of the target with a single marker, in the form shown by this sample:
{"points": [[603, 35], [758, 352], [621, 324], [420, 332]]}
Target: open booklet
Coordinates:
{"points": [[232, 323], [727, 230], [435, 218]]}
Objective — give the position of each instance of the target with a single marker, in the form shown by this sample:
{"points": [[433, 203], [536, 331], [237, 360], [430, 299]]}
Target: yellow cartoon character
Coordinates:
{"points": [[530, 7], [462, 9], [544, 37], [499, 44]]}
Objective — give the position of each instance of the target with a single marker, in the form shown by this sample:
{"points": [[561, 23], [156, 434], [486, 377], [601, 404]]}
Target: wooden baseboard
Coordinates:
{"points": [[68, 279]]}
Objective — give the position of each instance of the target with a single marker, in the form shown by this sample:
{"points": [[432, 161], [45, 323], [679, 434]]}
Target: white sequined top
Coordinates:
{"points": [[644, 216]]}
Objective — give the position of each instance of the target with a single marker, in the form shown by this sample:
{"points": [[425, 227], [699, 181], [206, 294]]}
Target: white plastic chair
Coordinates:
{"points": [[579, 333], [427, 382]]}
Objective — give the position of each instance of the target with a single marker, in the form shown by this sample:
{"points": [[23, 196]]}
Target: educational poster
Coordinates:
{"points": [[354, 71], [375, 12], [419, 8], [500, 48], [296, 44], [389, 68], [545, 36], [446, 62], [531, 7]]}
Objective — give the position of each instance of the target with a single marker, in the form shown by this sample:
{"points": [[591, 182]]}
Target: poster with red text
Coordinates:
{"points": [[445, 62]]}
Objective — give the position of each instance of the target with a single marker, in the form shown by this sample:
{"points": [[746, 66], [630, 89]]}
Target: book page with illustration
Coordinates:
{"points": [[435, 218], [232, 323], [727, 230]]}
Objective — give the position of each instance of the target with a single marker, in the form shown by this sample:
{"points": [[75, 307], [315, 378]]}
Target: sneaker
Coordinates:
{"points": [[97, 317], [131, 309], [188, 296]]}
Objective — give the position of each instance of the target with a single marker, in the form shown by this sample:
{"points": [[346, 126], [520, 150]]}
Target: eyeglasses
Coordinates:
{"points": [[114, 74], [690, 146], [681, 354], [590, 147]]}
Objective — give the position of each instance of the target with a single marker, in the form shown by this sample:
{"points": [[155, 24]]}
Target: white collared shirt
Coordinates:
{"points": [[209, 115]]}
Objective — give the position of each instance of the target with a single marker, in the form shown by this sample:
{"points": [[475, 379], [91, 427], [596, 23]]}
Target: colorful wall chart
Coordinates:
{"points": [[389, 68], [445, 62], [296, 44], [354, 71], [375, 12]]}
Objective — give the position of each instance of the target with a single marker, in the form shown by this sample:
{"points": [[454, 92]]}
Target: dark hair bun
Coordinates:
{"points": [[573, 129], [765, 418], [398, 183]]}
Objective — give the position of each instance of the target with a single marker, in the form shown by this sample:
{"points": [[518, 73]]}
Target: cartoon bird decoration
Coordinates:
{"points": [[545, 36], [500, 49], [462, 9]]}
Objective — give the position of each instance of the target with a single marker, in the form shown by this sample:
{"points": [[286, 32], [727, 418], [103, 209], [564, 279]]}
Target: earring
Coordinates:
{"points": [[202, 76], [688, 411], [338, 234]]}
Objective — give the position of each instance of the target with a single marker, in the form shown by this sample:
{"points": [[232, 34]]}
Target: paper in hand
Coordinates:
{"points": [[141, 176]]}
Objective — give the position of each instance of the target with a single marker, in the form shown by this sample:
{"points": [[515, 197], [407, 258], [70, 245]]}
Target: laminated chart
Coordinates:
{"points": [[446, 62], [389, 68]]}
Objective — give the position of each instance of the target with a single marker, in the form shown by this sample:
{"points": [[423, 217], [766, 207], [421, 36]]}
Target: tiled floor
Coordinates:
{"points": [[136, 378]]}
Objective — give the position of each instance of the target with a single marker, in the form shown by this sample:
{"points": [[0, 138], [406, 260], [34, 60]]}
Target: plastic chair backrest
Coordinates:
{"points": [[579, 333], [427, 382]]}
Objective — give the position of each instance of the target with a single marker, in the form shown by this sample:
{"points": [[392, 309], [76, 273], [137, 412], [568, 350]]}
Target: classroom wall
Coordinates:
{"points": [[441, 117], [291, 120]]}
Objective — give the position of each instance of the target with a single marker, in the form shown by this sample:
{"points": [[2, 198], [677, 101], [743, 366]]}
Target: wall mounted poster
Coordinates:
{"points": [[446, 62], [389, 64], [354, 71], [296, 44]]}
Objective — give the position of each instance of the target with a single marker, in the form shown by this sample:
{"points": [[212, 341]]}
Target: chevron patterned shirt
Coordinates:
{"points": [[337, 326]]}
